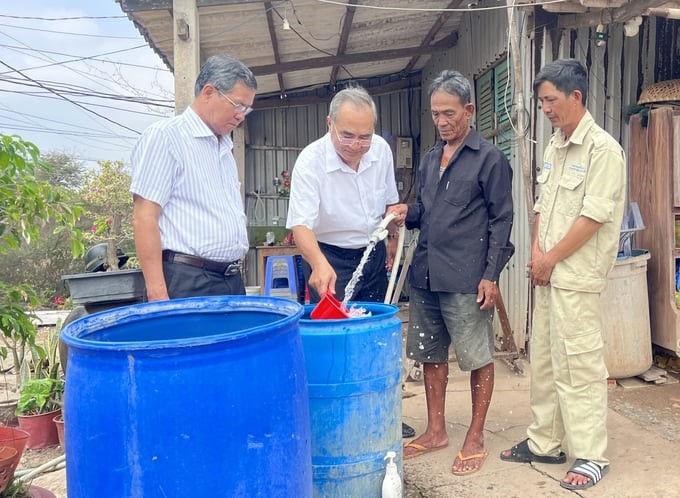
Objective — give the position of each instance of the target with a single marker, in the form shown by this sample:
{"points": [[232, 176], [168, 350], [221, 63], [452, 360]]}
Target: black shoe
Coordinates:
{"points": [[407, 430]]}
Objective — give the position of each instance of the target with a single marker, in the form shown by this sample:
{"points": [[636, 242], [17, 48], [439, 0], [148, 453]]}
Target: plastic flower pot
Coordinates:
{"points": [[16, 438], [8, 456], [59, 423], [42, 430]]}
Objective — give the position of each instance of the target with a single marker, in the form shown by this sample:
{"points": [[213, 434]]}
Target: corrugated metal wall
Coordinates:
{"points": [[275, 137], [482, 43], [618, 72]]}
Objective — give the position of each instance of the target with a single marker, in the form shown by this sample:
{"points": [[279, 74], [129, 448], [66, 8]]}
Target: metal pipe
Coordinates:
{"points": [[662, 12]]}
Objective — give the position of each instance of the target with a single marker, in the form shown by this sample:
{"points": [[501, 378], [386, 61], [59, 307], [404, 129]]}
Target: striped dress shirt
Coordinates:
{"points": [[183, 167]]}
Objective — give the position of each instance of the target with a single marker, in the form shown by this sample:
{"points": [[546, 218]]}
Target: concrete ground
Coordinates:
{"points": [[643, 462], [644, 444]]}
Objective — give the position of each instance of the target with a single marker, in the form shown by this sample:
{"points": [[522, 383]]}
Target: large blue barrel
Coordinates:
{"points": [[188, 397], [354, 376]]}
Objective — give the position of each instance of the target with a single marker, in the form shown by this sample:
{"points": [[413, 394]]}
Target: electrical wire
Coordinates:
{"points": [[325, 52], [437, 9], [79, 91], [78, 58], [69, 100], [62, 95], [70, 33], [35, 18], [88, 76], [78, 95], [259, 212]]}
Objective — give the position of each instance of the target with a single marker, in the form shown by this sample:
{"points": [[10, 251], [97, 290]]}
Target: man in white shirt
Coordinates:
{"points": [[189, 221], [341, 187]]}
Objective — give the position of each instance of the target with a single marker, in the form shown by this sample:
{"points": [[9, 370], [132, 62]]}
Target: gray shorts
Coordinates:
{"points": [[437, 319]]}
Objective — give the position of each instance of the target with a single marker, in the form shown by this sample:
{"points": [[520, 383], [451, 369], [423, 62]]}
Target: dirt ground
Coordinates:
{"points": [[654, 407]]}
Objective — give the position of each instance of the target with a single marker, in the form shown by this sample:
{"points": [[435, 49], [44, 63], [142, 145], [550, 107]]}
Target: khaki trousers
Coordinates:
{"points": [[568, 375]]}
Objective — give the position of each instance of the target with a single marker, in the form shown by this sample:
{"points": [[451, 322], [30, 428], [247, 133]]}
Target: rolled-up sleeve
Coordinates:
{"points": [[603, 184]]}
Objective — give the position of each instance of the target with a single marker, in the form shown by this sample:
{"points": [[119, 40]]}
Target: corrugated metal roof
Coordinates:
{"points": [[332, 40], [326, 42]]}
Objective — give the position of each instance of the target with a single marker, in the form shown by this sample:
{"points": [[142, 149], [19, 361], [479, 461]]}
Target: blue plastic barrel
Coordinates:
{"points": [[354, 378], [189, 397]]}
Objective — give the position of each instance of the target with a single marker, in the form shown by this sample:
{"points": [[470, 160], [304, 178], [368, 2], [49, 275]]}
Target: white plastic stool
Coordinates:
{"points": [[281, 277]]}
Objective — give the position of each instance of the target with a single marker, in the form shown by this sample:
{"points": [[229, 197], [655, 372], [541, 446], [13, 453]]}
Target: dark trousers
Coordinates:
{"points": [[189, 281], [372, 285]]}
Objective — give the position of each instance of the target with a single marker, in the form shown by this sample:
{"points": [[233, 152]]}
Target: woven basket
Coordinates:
{"points": [[7, 457], [663, 91]]}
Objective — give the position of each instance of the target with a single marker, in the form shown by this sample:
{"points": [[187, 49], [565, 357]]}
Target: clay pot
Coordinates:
{"points": [[59, 422], [42, 430], [16, 438], [7, 415], [38, 492], [7, 457]]}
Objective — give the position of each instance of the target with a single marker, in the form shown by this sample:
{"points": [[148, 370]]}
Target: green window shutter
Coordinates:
{"points": [[485, 105], [494, 107], [503, 108]]}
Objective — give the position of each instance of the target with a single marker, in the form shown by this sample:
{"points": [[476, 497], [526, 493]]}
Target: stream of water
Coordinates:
{"points": [[349, 289]]}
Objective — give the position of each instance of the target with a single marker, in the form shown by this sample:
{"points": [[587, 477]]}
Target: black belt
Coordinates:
{"points": [[226, 269], [343, 252]]}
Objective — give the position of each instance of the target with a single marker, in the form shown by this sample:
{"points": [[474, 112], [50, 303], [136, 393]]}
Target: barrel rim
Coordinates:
{"points": [[72, 333]]}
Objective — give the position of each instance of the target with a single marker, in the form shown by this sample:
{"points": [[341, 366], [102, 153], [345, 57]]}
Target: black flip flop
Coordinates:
{"points": [[520, 453], [407, 430], [587, 469]]}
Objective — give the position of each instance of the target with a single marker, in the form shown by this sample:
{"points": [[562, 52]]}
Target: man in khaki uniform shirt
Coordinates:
{"points": [[578, 219]]}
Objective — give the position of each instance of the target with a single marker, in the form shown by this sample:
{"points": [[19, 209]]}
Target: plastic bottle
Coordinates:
{"points": [[391, 486]]}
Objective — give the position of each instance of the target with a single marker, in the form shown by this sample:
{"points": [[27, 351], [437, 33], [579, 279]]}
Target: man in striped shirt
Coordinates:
{"points": [[188, 218]]}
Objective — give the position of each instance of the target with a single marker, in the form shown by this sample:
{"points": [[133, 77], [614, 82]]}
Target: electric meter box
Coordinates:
{"points": [[404, 152]]}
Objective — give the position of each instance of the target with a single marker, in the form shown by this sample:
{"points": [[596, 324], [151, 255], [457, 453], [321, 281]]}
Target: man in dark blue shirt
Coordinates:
{"points": [[464, 212]]}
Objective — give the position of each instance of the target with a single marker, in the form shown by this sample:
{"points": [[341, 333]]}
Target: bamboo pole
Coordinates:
{"points": [[523, 153]]}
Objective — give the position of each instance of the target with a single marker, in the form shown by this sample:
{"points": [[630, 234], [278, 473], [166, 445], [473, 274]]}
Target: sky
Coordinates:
{"points": [[68, 71]]}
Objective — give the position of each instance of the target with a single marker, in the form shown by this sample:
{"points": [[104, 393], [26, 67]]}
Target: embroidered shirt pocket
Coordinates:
{"points": [[544, 175], [570, 195]]}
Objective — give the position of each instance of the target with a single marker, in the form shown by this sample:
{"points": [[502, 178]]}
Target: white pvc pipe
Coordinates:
{"points": [[389, 299], [39, 470]]}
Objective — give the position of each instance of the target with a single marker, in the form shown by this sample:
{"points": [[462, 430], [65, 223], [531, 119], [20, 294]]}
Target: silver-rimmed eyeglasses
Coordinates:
{"points": [[347, 141], [243, 109]]}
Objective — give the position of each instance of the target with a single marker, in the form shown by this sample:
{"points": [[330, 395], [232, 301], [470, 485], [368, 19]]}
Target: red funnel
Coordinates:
{"points": [[329, 308]]}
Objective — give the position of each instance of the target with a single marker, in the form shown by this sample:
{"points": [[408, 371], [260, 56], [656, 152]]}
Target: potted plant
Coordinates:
{"points": [[41, 394], [59, 423], [109, 207], [39, 402]]}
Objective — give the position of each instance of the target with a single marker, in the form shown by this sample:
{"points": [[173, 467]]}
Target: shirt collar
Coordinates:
{"points": [[579, 133], [473, 141], [199, 129]]}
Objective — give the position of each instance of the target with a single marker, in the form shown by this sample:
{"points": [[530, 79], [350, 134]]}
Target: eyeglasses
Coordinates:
{"points": [[243, 109], [363, 142]]}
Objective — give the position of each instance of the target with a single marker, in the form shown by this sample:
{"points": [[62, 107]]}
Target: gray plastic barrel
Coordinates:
{"points": [[625, 317]]}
